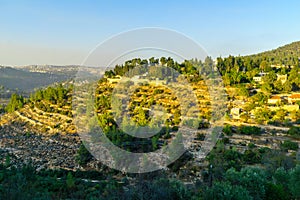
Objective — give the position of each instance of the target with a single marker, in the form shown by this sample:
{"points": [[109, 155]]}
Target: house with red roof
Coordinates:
{"points": [[274, 100], [294, 98]]}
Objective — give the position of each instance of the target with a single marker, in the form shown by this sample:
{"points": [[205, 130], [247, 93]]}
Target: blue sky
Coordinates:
{"points": [[63, 32]]}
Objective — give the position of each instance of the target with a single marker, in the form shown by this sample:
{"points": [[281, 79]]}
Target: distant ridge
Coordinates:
{"points": [[284, 55], [31, 77], [27, 81]]}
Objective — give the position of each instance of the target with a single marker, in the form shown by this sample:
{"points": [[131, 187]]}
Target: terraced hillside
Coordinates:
{"points": [[38, 120], [48, 114], [149, 94]]}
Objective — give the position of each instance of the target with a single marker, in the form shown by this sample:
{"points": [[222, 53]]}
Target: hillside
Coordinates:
{"points": [[40, 130], [288, 55], [26, 81]]}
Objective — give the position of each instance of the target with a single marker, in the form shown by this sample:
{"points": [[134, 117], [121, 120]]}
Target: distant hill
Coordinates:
{"points": [[285, 55], [26, 81], [69, 70], [27, 78]]}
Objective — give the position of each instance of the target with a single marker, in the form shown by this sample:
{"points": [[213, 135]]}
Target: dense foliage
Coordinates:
{"points": [[242, 69], [257, 173], [232, 182], [53, 99], [16, 102]]}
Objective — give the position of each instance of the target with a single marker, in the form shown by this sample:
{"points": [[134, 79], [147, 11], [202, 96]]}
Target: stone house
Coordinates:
{"points": [[274, 100]]}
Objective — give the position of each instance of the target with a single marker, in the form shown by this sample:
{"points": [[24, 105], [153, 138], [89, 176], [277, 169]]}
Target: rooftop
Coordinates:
{"points": [[295, 96], [275, 97]]}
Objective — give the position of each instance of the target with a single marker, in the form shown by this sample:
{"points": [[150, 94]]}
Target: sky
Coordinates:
{"points": [[64, 32]]}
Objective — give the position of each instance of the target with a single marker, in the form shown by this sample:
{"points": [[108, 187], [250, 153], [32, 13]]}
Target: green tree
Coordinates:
{"points": [[227, 129], [243, 91], [142, 120], [251, 178], [83, 155], [287, 86], [294, 183], [259, 98], [289, 145], [154, 141], [225, 190], [276, 191], [280, 114], [16, 102], [163, 61], [70, 181], [227, 79], [294, 131], [270, 78], [267, 88], [278, 85], [262, 115], [263, 65]]}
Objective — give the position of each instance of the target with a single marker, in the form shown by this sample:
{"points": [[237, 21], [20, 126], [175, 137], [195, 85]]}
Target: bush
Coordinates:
{"points": [[226, 140], [157, 189], [16, 102], [227, 130], [251, 145], [294, 131], [83, 155], [250, 178], [274, 191], [294, 182], [2, 110], [225, 190], [200, 136], [252, 156], [250, 130], [289, 145]]}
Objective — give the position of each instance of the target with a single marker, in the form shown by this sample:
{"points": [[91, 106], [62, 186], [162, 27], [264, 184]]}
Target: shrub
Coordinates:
{"points": [[225, 190], [250, 130], [289, 145], [294, 131], [16, 102], [227, 129], [83, 155]]}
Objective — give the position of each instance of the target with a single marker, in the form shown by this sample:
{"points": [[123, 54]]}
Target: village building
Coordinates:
{"points": [[294, 98], [257, 79], [282, 78], [116, 79], [274, 100], [235, 113]]}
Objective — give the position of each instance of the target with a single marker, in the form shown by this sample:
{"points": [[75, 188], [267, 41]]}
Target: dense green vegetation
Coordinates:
{"points": [[58, 96], [289, 145], [250, 130], [286, 55], [294, 131], [2, 108], [83, 155], [242, 69], [257, 173], [53, 99], [187, 67], [256, 183], [226, 178], [16, 102]]}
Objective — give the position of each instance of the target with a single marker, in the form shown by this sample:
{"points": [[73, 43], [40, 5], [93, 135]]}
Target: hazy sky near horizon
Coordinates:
{"points": [[64, 32]]}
